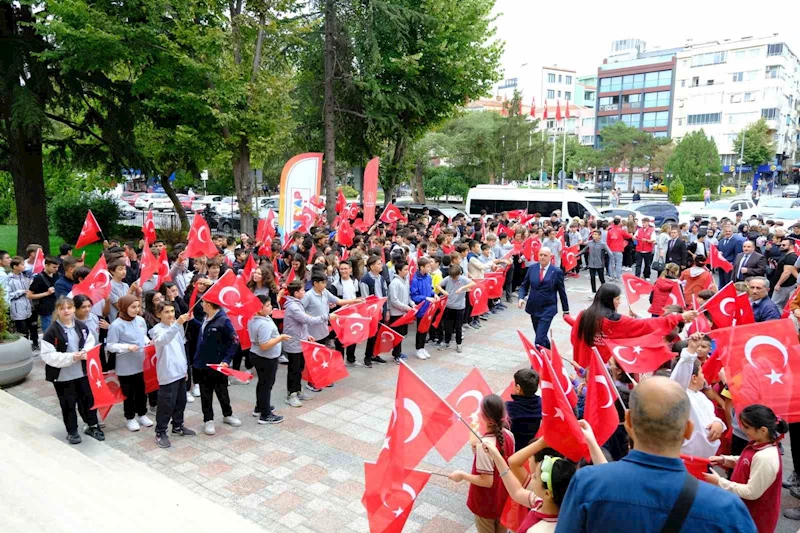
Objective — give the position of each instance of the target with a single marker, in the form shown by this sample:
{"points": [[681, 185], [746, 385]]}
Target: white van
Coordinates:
{"points": [[498, 198]]}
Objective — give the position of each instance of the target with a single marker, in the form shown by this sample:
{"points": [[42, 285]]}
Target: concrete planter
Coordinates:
{"points": [[16, 361]]}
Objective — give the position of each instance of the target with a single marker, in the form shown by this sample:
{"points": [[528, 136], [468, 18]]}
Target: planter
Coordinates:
{"points": [[16, 361]]}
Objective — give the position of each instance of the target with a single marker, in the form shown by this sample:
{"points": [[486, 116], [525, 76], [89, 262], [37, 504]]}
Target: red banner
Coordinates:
{"points": [[370, 195]]}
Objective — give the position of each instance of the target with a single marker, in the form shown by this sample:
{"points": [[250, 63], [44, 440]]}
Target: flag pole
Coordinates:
{"points": [[443, 401], [553, 171], [564, 144], [608, 377]]}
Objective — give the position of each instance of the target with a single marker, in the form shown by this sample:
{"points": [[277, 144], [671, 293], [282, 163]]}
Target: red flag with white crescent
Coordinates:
{"points": [[244, 377], [149, 228], [392, 215], [90, 232], [324, 365], [386, 340], [250, 266], [351, 329], [601, 393], [163, 268], [407, 318], [149, 369], [240, 325], [388, 508], [38, 261], [148, 265], [97, 285], [479, 298], [466, 399], [199, 241], [559, 426], [569, 257], [640, 354], [97, 381], [635, 288], [717, 260], [231, 293]]}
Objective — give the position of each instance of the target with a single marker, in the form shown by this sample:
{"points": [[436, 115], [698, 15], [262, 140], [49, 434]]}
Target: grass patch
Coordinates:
{"points": [[8, 242]]}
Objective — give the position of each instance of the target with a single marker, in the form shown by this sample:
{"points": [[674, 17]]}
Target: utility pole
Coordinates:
{"points": [[741, 164]]}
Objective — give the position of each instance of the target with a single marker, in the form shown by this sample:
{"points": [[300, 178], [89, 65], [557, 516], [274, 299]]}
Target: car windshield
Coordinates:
{"points": [[719, 204], [778, 202], [158, 196], [637, 206], [786, 214]]}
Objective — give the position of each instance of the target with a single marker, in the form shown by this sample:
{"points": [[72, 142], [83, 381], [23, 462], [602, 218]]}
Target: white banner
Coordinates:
{"points": [[300, 180]]}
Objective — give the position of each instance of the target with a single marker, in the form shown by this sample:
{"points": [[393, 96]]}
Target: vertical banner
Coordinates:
{"points": [[300, 180], [371, 190]]}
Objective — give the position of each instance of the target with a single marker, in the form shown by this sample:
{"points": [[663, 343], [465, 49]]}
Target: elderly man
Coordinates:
{"points": [[763, 308], [749, 263], [537, 294], [730, 245], [650, 490]]}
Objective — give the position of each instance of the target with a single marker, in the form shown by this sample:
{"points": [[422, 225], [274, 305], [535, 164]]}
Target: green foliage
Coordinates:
{"points": [[692, 159], [6, 197], [581, 157], [349, 192], [5, 319], [444, 181], [675, 191], [699, 197], [624, 145], [759, 147], [68, 212]]}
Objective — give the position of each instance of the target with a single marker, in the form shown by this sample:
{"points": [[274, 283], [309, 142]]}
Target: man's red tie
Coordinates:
{"points": [[541, 274]]}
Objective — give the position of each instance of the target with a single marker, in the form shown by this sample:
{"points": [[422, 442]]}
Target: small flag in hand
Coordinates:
{"points": [[325, 366], [386, 340], [90, 232]]}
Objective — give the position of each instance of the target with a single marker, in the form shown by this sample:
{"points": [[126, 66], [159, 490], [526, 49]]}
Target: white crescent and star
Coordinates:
{"points": [[106, 275], [724, 303], [225, 291], [758, 340], [478, 398], [604, 383], [93, 364], [200, 234], [618, 357]]}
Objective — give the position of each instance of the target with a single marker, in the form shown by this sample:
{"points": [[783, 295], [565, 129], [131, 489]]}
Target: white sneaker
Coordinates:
{"points": [[427, 355], [189, 397], [132, 425], [420, 354], [146, 422], [293, 400], [208, 428], [196, 390], [232, 421]]}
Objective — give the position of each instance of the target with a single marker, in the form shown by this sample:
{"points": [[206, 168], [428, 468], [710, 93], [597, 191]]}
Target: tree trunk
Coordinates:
{"points": [[491, 178], [419, 187], [394, 171], [243, 180], [29, 192], [328, 113], [176, 203]]}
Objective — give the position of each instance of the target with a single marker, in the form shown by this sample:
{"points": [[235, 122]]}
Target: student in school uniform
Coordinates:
{"points": [[264, 353], [171, 368], [399, 304], [346, 288], [421, 292], [374, 283], [454, 287], [64, 347], [20, 308]]}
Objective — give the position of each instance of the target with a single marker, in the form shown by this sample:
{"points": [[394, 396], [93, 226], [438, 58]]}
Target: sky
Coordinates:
{"points": [[578, 34]]}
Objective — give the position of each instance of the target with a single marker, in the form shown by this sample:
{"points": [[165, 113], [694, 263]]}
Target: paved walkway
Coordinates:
{"points": [[306, 474]]}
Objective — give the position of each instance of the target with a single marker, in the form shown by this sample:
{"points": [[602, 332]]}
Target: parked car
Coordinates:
{"points": [[767, 206], [787, 215], [659, 187], [791, 191], [727, 208], [434, 210], [227, 205], [586, 186], [570, 183], [201, 202], [186, 201], [126, 211], [605, 185], [143, 201], [161, 202], [727, 189], [659, 212], [130, 198]]}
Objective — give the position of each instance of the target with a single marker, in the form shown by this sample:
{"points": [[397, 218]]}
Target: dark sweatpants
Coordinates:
{"points": [[135, 403], [171, 405], [212, 382], [266, 370], [70, 393]]}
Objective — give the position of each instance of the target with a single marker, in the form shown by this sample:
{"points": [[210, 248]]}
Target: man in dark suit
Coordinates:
{"points": [[538, 294], [749, 263], [730, 246], [676, 248]]}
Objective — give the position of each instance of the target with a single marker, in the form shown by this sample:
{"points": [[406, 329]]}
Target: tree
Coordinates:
{"points": [[625, 145], [581, 158], [428, 147], [759, 148], [445, 181], [696, 161], [675, 191], [662, 155], [474, 145]]}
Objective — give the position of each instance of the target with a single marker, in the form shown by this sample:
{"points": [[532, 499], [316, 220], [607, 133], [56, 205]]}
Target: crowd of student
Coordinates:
{"points": [[314, 275]]}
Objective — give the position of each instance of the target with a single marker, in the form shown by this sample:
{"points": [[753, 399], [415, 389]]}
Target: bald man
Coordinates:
{"points": [[649, 489], [538, 294]]}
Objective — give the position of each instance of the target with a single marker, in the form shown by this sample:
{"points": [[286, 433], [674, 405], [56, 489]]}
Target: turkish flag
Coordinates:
{"points": [[412, 267], [636, 288], [640, 354], [89, 232], [148, 265], [526, 218], [306, 219], [149, 228], [97, 285], [360, 225], [112, 382], [388, 509], [407, 318], [193, 299], [599, 410], [722, 306], [38, 261], [760, 364], [676, 295], [479, 298], [250, 266], [439, 312], [436, 229], [494, 283], [392, 214], [561, 372], [341, 202], [163, 268], [244, 377], [712, 366], [516, 213], [199, 242], [387, 339], [345, 234], [699, 324], [317, 202], [530, 248], [324, 366], [744, 310], [351, 212], [373, 307], [94, 371], [717, 260], [429, 315], [559, 426], [569, 258], [231, 293], [240, 325], [787, 308], [558, 110], [351, 329], [533, 354], [466, 399], [149, 369], [515, 514], [266, 228], [503, 230]]}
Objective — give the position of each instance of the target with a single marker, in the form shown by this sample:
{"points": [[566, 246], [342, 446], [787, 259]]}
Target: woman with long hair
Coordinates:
{"points": [[665, 286], [601, 320]]}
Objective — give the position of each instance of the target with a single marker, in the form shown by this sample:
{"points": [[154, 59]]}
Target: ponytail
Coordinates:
{"points": [[757, 416], [493, 410]]}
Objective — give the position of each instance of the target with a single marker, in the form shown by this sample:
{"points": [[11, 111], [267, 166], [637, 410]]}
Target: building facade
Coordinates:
{"points": [[558, 84], [586, 91], [724, 86]]}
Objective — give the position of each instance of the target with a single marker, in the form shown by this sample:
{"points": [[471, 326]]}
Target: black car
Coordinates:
{"points": [[445, 210], [659, 212]]}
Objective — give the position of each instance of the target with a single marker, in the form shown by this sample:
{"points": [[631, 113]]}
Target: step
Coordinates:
{"points": [[50, 486]]}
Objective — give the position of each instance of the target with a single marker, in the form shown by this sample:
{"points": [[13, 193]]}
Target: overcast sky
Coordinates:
{"points": [[578, 34]]}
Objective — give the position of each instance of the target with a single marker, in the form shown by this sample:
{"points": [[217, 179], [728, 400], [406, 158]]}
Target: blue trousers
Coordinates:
{"points": [[541, 326]]}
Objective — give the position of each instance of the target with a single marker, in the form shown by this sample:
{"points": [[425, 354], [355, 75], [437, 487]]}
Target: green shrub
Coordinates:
{"points": [[699, 197], [675, 191], [5, 320], [68, 211], [349, 192], [6, 197]]}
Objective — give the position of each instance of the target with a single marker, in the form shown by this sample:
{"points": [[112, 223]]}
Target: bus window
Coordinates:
{"points": [[543, 207], [477, 204], [509, 205], [576, 210]]}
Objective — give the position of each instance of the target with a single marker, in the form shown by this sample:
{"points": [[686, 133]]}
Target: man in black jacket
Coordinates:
{"points": [[525, 408], [749, 263], [676, 248]]}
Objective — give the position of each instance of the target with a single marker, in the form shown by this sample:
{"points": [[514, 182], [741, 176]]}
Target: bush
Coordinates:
{"points": [[5, 320], [68, 211], [699, 197], [675, 191], [6, 197], [349, 192]]}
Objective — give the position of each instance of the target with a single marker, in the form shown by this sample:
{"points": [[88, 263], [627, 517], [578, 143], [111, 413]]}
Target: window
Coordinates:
{"points": [[568, 80], [683, 83], [551, 124], [775, 49], [661, 135], [551, 78], [587, 139], [602, 122], [659, 99], [587, 122], [651, 79], [551, 93], [739, 55], [605, 85], [704, 118], [737, 77], [588, 96], [680, 122], [710, 58], [749, 97], [574, 208], [655, 120], [627, 82], [736, 98], [695, 81], [710, 82], [750, 75], [559, 78], [568, 95], [633, 120], [770, 114], [559, 94], [774, 71], [755, 52]]}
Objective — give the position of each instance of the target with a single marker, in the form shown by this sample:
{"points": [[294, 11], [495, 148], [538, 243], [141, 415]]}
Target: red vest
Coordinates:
{"points": [[489, 503], [767, 509]]}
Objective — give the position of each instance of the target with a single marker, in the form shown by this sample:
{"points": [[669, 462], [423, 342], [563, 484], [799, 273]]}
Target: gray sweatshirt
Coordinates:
{"points": [[399, 298], [261, 330], [319, 305], [121, 333], [171, 362], [296, 322], [455, 300], [594, 253], [17, 294]]}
